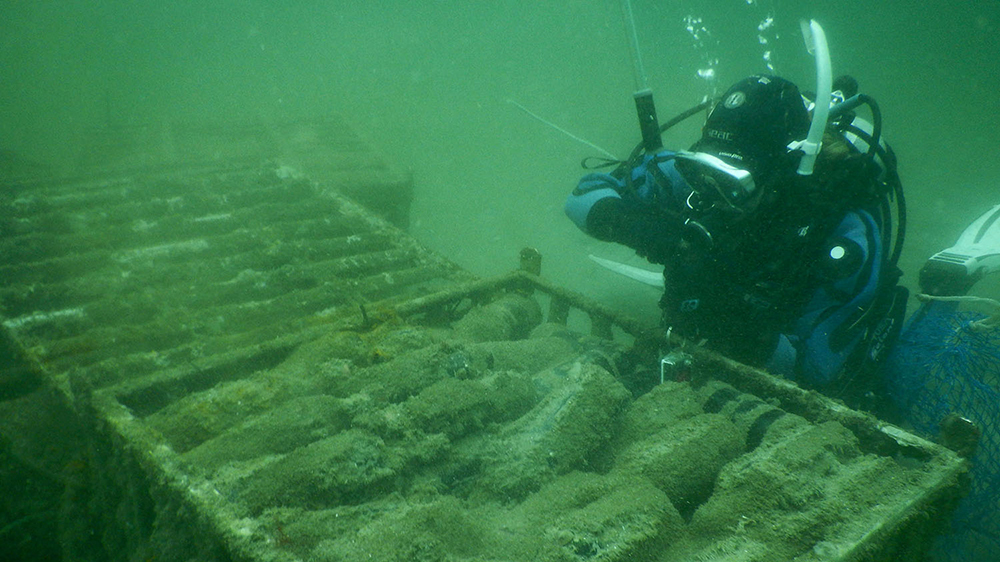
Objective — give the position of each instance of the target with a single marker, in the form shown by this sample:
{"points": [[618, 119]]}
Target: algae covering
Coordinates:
{"points": [[262, 370], [498, 436]]}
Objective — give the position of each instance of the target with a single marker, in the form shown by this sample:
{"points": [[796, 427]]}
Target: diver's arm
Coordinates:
{"points": [[593, 190], [597, 208], [602, 207]]}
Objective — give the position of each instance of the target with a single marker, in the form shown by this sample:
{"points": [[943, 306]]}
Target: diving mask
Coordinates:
{"points": [[715, 182]]}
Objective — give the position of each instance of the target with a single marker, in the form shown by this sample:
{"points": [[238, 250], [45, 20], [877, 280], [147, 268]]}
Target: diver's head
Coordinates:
{"points": [[744, 143]]}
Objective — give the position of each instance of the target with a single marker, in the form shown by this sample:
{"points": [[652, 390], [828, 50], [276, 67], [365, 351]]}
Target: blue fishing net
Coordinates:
{"points": [[947, 364]]}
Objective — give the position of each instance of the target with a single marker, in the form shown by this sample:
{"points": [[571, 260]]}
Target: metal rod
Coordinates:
{"points": [[633, 36]]}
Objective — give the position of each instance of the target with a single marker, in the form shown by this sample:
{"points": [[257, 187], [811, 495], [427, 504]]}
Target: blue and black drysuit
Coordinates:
{"points": [[775, 294]]}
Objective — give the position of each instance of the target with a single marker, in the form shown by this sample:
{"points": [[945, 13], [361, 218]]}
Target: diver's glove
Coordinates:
{"points": [[655, 235]]}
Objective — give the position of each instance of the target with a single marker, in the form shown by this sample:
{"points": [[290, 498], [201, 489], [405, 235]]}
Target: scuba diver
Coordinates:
{"points": [[771, 267], [779, 232], [791, 272]]}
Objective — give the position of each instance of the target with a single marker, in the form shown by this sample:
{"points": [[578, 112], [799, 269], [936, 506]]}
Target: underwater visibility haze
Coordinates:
{"points": [[429, 84], [490, 107]]}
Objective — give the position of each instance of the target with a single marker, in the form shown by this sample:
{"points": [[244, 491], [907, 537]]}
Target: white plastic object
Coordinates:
{"points": [[816, 44]]}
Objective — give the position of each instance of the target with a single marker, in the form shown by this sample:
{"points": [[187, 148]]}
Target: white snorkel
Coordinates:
{"points": [[816, 45]]}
